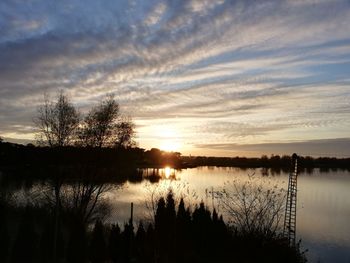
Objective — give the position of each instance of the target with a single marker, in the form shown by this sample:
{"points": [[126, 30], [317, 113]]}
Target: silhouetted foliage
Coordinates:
{"points": [[4, 235], [202, 236], [25, 247], [114, 243], [276, 163], [20, 156], [104, 127], [158, 158], [125, 133], [128, 237], [98, 247], [140, 242], [77, 242], [49, 251], [177, 235], [100, 124], [253, 208], [57, 121]]}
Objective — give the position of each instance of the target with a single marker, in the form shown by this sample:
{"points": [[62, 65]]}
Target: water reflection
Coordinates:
{"points": [[167, 172], [323, 208], [154, 175]]}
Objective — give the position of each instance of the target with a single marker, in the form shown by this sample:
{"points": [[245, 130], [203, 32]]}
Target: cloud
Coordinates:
{"points": [[338, 147], [264, 69]]}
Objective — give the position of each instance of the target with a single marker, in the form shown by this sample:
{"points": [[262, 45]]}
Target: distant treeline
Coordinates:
{"points": [[30, 155], [133, 157], [30, 163], [275, 161]]}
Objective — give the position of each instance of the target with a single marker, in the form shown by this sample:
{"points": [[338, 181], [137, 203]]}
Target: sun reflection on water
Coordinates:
{"points": [[167, 172]]}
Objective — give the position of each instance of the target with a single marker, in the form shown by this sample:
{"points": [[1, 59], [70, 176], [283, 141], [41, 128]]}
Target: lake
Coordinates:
{"points": [[323, 204]]}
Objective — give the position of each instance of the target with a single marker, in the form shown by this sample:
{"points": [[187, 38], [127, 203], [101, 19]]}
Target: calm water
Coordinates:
{"points": [[323, 209]]}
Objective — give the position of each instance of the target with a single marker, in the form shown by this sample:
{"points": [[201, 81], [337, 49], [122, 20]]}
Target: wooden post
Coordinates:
{"points": [[132, 213], [212, 198]]}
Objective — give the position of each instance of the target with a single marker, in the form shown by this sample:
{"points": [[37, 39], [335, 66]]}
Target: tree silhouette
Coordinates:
{"points": [[140, 242], [150, 246], [103, 126], [4, 235], [170, 220], [98, 247], [160, 216], [125, 133], [252, 208], [82, 200], [77, 242], [201, 231], [128, 242], [100, 123], [47, 247], [114, 244], [57, 121], [25, 247], [183, 230]]}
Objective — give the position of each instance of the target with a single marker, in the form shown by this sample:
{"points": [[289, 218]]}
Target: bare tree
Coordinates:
{"points": [[125, 133], [57, 121], [103, 126], [83, 198], [99, 125], [253, 207]]}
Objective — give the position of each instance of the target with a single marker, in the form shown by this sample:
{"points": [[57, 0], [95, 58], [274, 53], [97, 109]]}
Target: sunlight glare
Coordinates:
{"points": [[167, 172], [169, 139], [170, 146]]}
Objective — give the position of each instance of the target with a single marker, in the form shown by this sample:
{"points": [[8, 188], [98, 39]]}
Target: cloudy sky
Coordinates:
{"points": [[201, 77]]}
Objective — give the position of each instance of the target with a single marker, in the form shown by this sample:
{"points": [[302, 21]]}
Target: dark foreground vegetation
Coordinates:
{"points": [[41, 233]]}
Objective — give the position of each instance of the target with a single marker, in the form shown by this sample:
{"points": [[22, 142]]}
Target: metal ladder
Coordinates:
{"points": [[289, 227]]}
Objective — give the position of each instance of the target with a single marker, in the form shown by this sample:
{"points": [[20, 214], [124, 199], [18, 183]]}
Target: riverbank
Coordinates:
{"points": [[32, 156]]}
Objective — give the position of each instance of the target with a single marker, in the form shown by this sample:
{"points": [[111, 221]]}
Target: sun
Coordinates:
{"points": [[167, 132], [169, 138], [170, 146]]}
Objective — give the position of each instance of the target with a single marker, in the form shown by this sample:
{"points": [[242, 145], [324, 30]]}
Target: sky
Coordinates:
{"points": [[221, 78]]}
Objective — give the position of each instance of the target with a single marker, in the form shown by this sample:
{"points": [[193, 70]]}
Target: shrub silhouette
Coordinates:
{"points": [[98, 247], [114, 243], [25, 247], [177, 235]]}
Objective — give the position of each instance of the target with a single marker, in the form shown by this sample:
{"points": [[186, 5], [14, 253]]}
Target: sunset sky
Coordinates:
{"points": [[200, 77]]}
